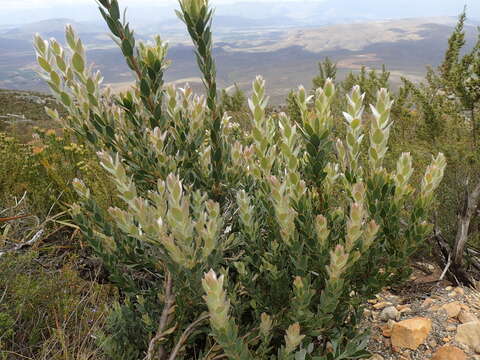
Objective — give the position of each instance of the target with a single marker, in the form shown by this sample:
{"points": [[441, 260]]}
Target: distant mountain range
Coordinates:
{"points": [[286, 55], [270, 12]]}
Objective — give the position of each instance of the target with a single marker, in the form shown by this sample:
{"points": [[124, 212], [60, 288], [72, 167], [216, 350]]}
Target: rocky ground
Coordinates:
{"points": [[426, 319]]}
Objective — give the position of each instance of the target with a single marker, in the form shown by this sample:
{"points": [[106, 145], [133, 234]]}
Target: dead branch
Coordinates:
{"points": [[185, 336], [30, 242], [169, 300], [11, 218], [464, 218]]}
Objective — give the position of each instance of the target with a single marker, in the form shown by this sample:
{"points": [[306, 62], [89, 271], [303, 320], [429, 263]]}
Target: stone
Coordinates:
{"points": [[387, 329], [381, 305], [466, 317], [390, 313], [411, 333], [449, 353], [453, 309], [459, 291], [469, 334], [377, 357], [427, 302], [451, 328]]}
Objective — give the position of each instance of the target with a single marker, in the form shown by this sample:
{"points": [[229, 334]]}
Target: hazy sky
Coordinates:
{"points": [[23, 11], [28, 4]]}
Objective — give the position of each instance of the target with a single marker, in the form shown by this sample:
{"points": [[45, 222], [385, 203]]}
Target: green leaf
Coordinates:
{"points": [[114, 10], [127, 48], [144, 88], [65, 98], [78, 63], [90, 86], [55, 78], [44, 64]]}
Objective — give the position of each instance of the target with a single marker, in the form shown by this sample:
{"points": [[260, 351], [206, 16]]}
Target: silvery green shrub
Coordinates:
{"points": [[258, 241]]}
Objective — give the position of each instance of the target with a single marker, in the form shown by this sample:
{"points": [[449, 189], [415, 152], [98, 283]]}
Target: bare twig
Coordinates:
{"points": [[169, 299], [17, 203], [30, 242], [11, 218], [470, 205], [449, 262], [185, 335]]}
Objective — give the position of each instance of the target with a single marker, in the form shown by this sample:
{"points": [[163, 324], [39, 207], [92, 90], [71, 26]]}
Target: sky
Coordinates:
{"points": [[23, 11], [29, 4]]}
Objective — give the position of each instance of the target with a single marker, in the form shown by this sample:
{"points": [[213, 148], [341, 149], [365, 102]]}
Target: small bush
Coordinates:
{"points": [[48, 313], [44, 170], [298, 226]]}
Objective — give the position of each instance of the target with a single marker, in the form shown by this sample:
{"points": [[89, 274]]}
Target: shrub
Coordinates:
{"points": [[48, 313], [44, 170], [299, 227]]}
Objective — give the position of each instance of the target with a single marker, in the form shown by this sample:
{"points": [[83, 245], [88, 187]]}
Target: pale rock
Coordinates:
{"points": [[381, 305], [459, 291], [402, 308], [387, 329], [428, 302], [390, 313], [452, 309], [469, 334], [411, 333], [466, 317], [451, 328], [377, 357], [449, 353]]}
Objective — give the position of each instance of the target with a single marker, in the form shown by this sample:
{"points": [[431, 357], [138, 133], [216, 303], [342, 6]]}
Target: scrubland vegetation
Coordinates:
{"points": [[162, 224]]}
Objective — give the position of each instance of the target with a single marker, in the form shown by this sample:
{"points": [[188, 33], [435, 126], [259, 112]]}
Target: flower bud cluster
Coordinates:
{"points": [[432, 178], [194, 8], [321, 122], [284, 212], [263, 131], [333, 174], [154, 55], [290, 151], [247, 213], [380, 129], [354, 137], [216, 300], [321, 227], [293, 339], [402, 176]]}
